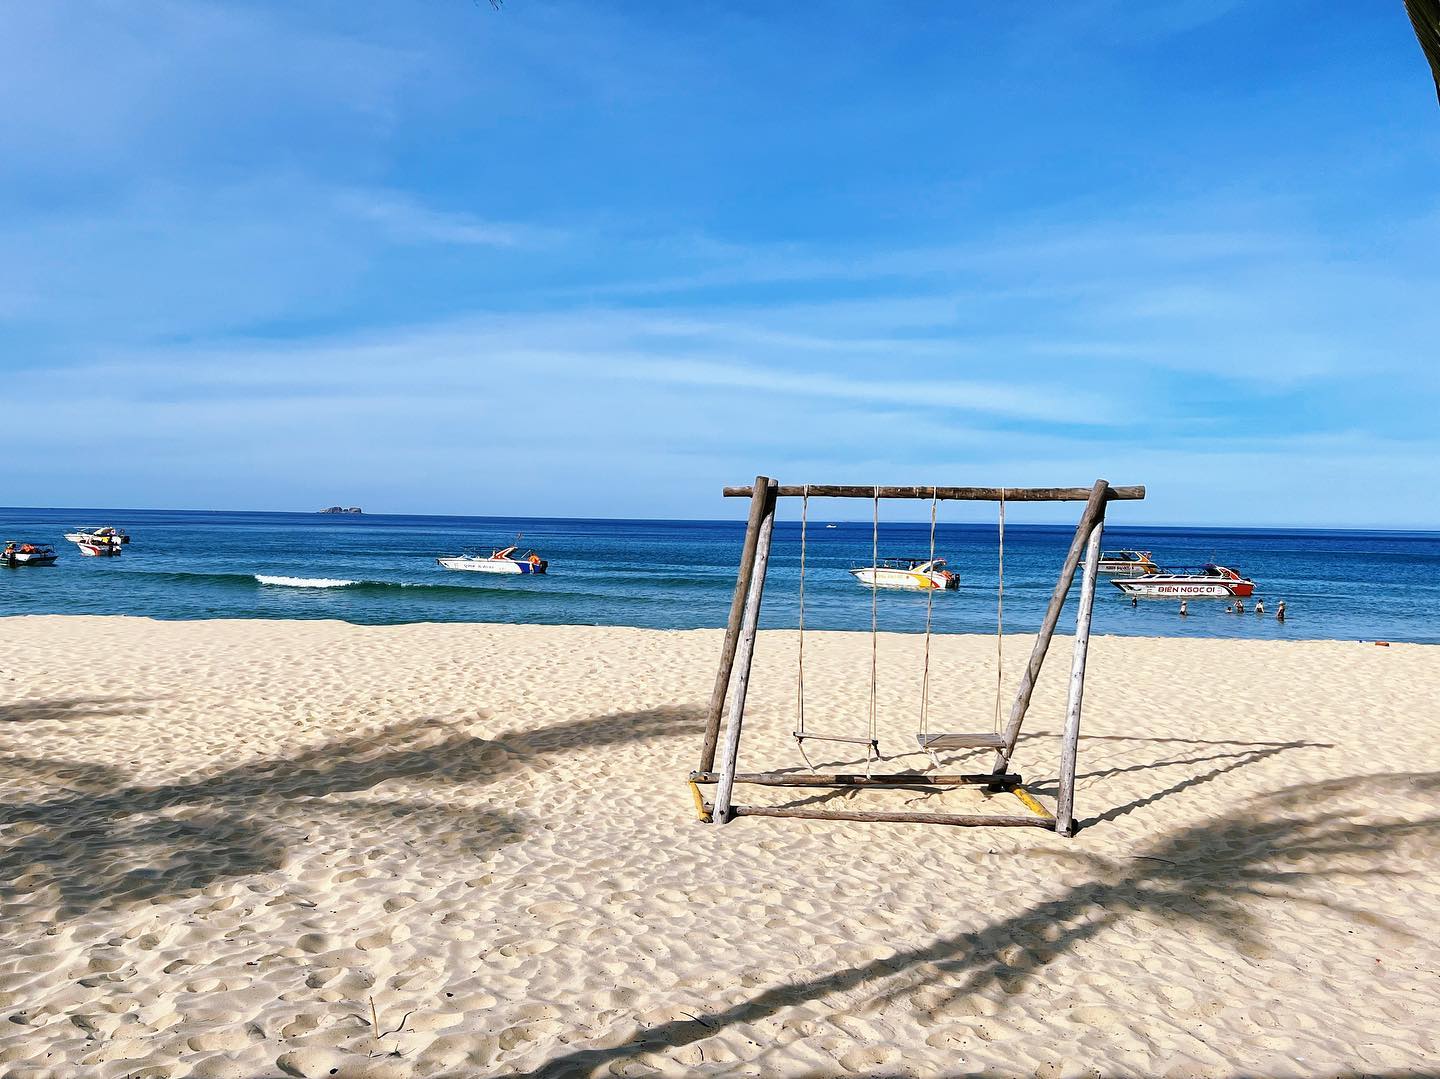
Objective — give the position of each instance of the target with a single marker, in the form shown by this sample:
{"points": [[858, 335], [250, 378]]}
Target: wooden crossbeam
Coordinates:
{"points": [[944, 494]]}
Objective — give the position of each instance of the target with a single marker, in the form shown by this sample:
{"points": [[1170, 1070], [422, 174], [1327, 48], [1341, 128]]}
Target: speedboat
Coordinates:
{"points": [[28, 554], [1209, 580], [99, 549], [105, 536], [497, 561], [103, 542], [918, 573], [1126, 563]]}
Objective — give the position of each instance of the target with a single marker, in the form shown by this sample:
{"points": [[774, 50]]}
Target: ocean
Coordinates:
{"points": [[381, 570]]}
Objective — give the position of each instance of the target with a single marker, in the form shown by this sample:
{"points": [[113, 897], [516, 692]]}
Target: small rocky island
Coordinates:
{"points": [[342, 509]]}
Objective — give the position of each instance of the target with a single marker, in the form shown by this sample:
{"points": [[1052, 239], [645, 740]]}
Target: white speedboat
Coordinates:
{"points": [[917, 573], [497, 561], [1219, 582], [105, 536], [28, 554], [1126, 563]]}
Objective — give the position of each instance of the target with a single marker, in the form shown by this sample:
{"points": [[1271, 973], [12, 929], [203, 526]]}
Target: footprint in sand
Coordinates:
{"points": [[869, 1058], [521, 1033], [1098, 1017]]}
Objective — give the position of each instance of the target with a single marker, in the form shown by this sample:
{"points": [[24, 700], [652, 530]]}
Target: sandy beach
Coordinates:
{"points": [[243, 849]]}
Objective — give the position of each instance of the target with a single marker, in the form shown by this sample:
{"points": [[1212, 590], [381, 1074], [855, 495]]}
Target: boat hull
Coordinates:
{"points": [[915, 580], [1182, 589], [29, 559], [493, 565], [99, 550]]}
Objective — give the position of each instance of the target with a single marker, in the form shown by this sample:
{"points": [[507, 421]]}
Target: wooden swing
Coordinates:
{"points": [[737, 654]]}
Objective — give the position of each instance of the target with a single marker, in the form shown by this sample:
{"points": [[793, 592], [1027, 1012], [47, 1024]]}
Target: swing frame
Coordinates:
{"points": [[738, 650]]}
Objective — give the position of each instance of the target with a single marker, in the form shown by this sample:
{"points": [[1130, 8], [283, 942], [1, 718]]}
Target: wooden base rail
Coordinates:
{"points": [[1003, 781], [955, 820]]}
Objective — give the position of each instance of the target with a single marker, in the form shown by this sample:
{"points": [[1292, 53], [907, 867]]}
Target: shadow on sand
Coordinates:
{"points": [[1208, 875], [67, 708], [111, 841], [1227, 755]]}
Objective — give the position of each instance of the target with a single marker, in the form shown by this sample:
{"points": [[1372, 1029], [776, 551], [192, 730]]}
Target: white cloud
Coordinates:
{"points": [[409, 221]]}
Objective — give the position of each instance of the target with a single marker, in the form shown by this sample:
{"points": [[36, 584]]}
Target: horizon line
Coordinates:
{"points": [[739, 519]]}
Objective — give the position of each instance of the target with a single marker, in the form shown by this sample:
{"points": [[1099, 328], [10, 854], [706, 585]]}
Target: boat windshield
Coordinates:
{"points": [[1210, 569]]}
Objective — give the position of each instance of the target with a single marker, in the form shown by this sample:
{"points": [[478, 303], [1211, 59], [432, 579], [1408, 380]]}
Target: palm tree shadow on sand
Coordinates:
{"points": [[109, 841], [70, 708], [1225, 754], [1208, 875]]}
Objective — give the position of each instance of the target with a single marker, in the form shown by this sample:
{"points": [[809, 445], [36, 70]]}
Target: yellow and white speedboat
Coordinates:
{"points": [[1126, 563], [917, 573]]}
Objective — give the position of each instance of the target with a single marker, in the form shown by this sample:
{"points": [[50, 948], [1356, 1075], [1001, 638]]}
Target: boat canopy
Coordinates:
{"points": [[1209, 569]]}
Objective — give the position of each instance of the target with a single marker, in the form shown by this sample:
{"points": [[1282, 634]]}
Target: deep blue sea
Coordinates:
{"points": [[680, 574]]}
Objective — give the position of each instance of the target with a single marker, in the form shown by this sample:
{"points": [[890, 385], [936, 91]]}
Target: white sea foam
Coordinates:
{"points": [[303, 582]]}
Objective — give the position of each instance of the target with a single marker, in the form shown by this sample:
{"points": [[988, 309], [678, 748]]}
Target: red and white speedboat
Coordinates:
{"points": [[91, 549], [1210, 580]]}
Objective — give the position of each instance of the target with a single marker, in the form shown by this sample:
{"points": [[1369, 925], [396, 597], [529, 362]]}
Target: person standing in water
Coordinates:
{"points": [[1183, 609], [1280, 611], [1259, 606]]}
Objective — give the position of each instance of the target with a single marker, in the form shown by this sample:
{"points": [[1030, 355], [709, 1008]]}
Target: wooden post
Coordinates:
{"points": [[744, 654], [1070, 743], [732, 627], [1093, 512]]}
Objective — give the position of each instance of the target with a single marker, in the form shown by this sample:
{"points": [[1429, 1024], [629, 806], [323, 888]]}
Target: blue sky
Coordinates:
{"points": [[602, 259]]}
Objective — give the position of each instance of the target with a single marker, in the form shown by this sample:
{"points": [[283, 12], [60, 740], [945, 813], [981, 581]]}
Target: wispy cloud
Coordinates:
{"points": [[406, 220], [557, 350], [525, 252]]}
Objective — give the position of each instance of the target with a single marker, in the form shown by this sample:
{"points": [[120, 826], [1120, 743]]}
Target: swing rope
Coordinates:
{"points": [[874, 624], [929, 611], [800, 668], [1000, 619], [871, 740]]}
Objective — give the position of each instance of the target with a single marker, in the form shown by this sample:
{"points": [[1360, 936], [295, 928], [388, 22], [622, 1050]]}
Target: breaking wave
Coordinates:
{"points": [[304, 582]]}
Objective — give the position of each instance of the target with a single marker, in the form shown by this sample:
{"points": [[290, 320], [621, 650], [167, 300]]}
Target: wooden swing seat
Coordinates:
{"points": [[801, 736], [985, 740]]}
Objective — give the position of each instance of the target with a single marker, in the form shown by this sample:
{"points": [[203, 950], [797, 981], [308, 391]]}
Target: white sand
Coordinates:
{"points": [[222, 843]]}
